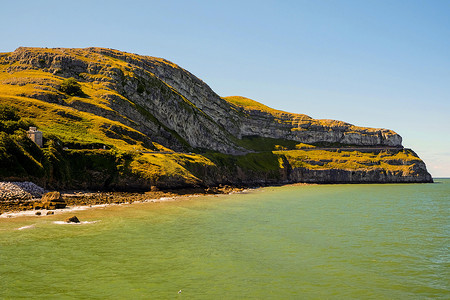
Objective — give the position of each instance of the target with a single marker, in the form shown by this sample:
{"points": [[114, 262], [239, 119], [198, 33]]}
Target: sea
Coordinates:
{"points": [[353, 241]]}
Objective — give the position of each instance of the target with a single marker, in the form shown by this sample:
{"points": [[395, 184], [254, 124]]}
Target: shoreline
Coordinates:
{"points": [[82, 200]]}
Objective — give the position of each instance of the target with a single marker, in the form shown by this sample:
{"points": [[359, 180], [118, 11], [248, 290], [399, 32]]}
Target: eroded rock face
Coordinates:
{"points": [[358, 176], [171, 106], [266, 122]]}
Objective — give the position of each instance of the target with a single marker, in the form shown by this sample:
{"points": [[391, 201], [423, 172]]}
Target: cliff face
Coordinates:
{"points": [[150, 95], [265, 121], [321, 166], [142, 103], [174, 107]]}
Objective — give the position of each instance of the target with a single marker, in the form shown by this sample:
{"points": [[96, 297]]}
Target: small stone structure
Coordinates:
{"points": [[35, 135]]}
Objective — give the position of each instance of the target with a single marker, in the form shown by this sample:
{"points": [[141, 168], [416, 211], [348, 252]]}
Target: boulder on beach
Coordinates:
{"points": [[52, 197], [73, 219], [53, 200]]}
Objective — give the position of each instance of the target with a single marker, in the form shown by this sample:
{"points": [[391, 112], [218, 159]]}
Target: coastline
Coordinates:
{"points": [[82, 200]]}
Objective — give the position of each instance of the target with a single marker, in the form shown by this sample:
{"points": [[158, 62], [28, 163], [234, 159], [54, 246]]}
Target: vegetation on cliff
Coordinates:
{"points": [[115, 120]]}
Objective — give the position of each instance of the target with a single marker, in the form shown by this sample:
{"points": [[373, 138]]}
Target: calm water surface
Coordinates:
{"points": [[292, 242]]}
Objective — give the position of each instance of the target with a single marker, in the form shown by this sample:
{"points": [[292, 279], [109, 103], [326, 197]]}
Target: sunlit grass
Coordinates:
{"points": [[401, 160]]}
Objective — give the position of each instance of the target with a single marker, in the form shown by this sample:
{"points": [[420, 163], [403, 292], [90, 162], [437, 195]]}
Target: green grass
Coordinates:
{"points": [[392, 160], [249, 104]]}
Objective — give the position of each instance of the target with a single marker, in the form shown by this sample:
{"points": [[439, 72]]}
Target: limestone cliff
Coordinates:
{"points": [[261, 120], [145, 104], [166, 102]]}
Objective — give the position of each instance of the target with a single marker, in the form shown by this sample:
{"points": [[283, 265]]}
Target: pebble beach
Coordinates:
{"points": [[21, 196]]}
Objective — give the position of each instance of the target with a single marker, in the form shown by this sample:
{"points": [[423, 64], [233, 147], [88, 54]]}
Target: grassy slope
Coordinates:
{"points": [[58, 119], [22, 83], [399, 160], [77, 129]]}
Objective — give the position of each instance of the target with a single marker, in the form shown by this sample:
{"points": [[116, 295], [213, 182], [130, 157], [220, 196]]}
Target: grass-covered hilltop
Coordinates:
{"points": [[115, 120]]}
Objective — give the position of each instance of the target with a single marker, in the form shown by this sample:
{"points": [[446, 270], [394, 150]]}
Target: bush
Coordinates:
{"points": [[15, 159], [71, 87], [10, 120], [8, 113]]}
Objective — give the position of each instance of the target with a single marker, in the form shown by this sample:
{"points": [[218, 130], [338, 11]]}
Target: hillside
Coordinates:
{"points": [[118, 120]]}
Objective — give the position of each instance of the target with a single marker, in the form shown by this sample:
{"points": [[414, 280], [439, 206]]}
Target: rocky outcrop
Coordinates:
{"points": [[264, 121], [316, 166], [356, 176], [53, 200]]}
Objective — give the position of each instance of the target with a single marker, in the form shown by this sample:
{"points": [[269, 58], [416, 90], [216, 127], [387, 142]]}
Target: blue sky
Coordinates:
{"points": [[370, 63]]}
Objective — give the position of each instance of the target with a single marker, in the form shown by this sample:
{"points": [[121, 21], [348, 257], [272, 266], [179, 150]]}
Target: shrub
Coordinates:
{"points": [[140, 88], [15, 159], [71, 87], [10, 120], [8, 113]]}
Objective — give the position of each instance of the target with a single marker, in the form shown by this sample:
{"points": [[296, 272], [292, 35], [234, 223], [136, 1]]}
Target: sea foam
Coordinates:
{"points": [[26, 227], [71, 223]]}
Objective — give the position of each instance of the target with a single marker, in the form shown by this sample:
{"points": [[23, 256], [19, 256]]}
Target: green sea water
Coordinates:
{"points": [[387, 241]]}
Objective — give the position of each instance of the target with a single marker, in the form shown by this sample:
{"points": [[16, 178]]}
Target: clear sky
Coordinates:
{"points": [[367, 62]]}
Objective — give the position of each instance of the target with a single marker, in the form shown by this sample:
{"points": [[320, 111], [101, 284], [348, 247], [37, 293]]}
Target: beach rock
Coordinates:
{"points": [[73, 219], [50, 213], [38, 213], [53, 200], [52, 197]]}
